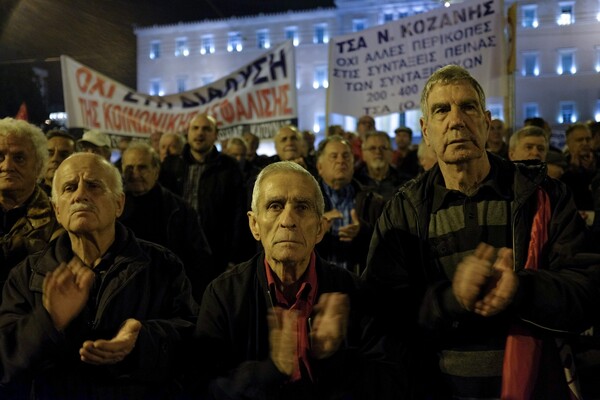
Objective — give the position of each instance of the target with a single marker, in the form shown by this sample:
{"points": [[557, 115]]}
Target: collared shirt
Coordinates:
{"points": [[303, 304]]}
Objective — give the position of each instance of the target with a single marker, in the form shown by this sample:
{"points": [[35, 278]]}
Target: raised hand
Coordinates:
{"points": [[330, 324], [283, 339], [66, 291], [485, 283], [348, 232], [104, 352], [502, 286]]}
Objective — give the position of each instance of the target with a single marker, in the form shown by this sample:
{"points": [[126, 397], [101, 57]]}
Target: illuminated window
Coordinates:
{"points": [[566, 62], [234, 42], [387, 16], [566, 15], [155, 88], [262, 39], [529, 14], [567, 113], [321, 36], [320, 80], [181, 84], [531, 110], [154, 49], [530, 64], [319, 123], [496, 110], [181, 47], [291, 33], [597, 66], [597, 112], [359, 25], [207, 45]]}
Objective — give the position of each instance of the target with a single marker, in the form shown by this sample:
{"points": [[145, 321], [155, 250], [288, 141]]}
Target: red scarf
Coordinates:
{"points": [[523, 349]]}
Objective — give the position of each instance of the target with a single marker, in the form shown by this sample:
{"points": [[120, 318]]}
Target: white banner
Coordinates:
{"points": [[383, 70], [260, 96]]}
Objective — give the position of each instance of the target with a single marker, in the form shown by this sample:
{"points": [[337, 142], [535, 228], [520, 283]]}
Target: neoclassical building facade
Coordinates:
{"points": [[557, 73]]}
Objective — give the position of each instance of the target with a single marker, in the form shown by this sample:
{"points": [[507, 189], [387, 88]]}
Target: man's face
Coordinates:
{"points": [[59, 148], [377, 153], [402, 140], [236, 151], [168, 147], [139, 175], [287, 144], [365, 124], [202, 134], [496, 132], [580, 142], [456, 127], [252, 142], [530, 148], [86, 147], [335, 165], [85, 203], [17, 164], [286, 220]]}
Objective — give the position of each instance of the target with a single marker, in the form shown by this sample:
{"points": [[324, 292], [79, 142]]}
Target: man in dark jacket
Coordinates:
{"points": [[27, 222], [98, 314], [156, 214], [275, 327], [212, 183], [350, 209], [474, 251]]}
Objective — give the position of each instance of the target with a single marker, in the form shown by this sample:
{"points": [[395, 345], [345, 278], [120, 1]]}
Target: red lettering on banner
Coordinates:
{"points": [[102, 87], [89, 112]]}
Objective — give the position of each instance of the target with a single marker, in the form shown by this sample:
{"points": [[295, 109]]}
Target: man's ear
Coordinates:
{"points": [[424, 132], [120, 204], [253, 224], [321, 229]]}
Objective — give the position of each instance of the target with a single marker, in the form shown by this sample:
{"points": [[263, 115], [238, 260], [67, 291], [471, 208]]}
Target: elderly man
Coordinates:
{"points": [[156, 214], [528, 143], [474, 266], [97, 314], [170, 144], [289, 145], [582, 165], [212, 183], [351, 210], [377, 173], [27, 222], [274, 327], [495, 143], [60, 146], [95, 142]]}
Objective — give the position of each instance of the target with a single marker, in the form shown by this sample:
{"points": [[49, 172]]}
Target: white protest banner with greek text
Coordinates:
{"points": [[261, 96], [383, 70]]}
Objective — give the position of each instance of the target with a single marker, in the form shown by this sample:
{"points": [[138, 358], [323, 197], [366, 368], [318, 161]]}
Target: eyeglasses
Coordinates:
{"points": [[375, 148]]}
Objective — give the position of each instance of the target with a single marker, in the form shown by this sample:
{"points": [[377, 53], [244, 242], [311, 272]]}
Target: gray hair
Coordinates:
{"points": [[450, 74], [114, 181], [330, 139], [529, 130], [287, 167], [26, 131], [146, 148], [180, 139]]}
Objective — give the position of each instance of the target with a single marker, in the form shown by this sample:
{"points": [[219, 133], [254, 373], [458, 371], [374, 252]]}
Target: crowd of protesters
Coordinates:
{"points": [[367, 267]]}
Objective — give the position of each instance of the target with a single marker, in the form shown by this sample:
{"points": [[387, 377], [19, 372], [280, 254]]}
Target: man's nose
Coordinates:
{"points": [[456, 117], [287, 218]]}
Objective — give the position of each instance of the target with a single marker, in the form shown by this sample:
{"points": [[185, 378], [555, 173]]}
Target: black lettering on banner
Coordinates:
{"points": [[376, 96]]}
